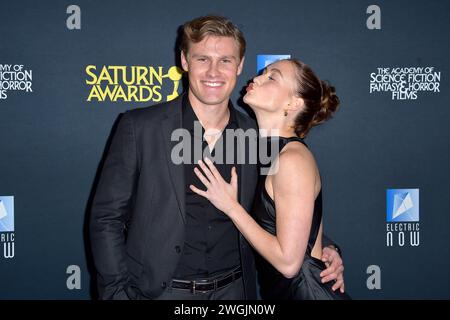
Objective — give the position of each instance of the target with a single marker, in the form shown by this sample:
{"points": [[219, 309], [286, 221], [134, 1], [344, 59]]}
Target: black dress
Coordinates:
{"points": [[306, 285]]}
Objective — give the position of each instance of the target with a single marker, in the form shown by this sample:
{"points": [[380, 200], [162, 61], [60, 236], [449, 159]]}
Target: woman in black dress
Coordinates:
{"points": [[285, 225]]}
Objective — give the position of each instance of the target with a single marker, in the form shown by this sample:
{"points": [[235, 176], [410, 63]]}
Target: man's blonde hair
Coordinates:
{"points": [[196, 30]]}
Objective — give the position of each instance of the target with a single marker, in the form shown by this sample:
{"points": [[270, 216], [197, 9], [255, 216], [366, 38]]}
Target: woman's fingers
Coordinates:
{"points": [[234, 178], [206, 171], [213, 169], [202, 178], [198, 191]]}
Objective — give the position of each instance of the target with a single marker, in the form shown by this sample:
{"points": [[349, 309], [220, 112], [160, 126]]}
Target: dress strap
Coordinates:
{"points": [[285, 141], [295, 139]]}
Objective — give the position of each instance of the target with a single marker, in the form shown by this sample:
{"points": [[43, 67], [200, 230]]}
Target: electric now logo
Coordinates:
{"points": [[7, 225], [402, 217], [402, 205], [263, 60], [6, 214]]}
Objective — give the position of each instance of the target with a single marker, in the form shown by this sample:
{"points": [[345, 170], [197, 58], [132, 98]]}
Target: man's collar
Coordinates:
{"points": [[189, 115]]}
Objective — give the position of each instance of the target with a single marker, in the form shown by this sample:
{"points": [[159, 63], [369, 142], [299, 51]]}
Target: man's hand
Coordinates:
{"points": [[335, 268]]}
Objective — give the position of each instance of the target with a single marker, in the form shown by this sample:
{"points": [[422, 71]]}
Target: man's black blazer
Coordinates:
{"points": [[137, 226]]}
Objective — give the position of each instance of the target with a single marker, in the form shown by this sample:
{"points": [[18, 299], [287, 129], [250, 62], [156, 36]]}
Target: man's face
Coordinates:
{"points": [[213, 65]]}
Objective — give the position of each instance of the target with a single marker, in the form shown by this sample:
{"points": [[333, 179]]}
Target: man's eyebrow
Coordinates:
{"points": [[230, 57], [196, 55]]}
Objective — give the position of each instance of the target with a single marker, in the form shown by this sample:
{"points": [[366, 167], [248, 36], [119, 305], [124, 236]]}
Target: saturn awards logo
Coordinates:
{"points": [[402, 217], [132, 83], [7, 225]]}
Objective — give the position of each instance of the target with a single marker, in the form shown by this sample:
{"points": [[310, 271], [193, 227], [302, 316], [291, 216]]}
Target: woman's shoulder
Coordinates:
{"points": [[294, 162], [296, 153]]}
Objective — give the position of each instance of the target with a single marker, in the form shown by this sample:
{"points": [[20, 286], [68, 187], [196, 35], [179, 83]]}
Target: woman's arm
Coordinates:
{"points": [[293, 184]]}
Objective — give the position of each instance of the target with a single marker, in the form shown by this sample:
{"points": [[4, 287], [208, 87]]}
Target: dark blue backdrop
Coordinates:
{"points": [[52, 139]]}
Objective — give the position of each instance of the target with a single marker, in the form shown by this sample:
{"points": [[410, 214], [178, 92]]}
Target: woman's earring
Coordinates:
{"points": [[285, 111]]}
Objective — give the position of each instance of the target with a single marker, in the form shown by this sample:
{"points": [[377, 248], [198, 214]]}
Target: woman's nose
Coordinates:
{"points": [[257, 80]]}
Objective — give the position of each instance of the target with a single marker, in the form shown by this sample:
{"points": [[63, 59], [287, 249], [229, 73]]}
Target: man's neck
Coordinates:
{"points": [[212, 117]]}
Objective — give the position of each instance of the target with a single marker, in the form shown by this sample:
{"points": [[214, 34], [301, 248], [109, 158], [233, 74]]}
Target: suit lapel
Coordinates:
{"points": [[171, 122]]}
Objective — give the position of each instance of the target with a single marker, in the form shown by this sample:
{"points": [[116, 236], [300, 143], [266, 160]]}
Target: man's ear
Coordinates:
{"points": [[240, 66], [184, 62]]}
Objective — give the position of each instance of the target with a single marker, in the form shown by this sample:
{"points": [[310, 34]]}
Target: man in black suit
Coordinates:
{"points": [[152, 237]]}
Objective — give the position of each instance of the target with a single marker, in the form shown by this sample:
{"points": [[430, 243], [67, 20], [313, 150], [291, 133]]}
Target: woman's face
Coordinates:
{"points": [[274, 90]]}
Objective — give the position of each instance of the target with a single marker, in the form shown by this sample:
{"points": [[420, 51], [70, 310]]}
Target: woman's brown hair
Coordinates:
{"points": [[319, 97]]}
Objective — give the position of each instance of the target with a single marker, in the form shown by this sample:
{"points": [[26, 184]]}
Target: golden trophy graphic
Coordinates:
{"points": [[175, 75]]}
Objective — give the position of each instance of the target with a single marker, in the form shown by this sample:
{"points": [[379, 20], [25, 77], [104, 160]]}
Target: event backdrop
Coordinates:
{"points": [[68, 69]]}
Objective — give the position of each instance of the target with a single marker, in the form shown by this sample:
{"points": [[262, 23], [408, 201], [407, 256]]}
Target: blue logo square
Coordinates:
{"points": [[6, 214], [263, 60], [402, 205]]}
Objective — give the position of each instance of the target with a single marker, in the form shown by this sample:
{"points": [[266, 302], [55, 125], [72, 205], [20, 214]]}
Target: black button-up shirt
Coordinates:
{"points": [[211, 244]]}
